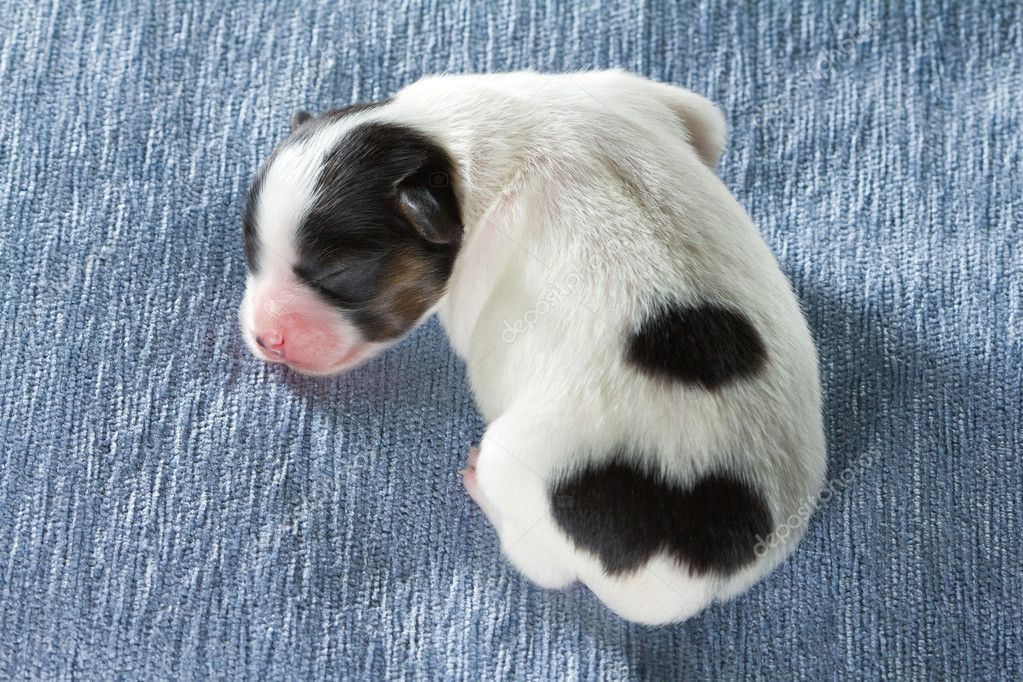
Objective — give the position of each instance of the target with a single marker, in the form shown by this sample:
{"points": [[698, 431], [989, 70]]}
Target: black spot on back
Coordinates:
{"points": [[704, 344], [625, 516]]}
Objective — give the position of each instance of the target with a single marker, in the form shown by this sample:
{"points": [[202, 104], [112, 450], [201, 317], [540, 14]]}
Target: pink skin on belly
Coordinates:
{"points": [[284, 321]]}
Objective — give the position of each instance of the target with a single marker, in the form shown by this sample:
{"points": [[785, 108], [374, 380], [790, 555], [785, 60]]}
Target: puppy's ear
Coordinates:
{"points": [[703, 122], [427, 200], [298, 118]]}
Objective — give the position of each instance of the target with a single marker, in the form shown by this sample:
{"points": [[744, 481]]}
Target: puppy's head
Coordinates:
{"points": [[351, 229]]}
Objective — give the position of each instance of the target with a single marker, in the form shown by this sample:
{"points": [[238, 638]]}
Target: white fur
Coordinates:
{"points": [[600, 187]]}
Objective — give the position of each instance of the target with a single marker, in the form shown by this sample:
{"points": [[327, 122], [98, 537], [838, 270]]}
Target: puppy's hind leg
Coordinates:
{"points": [[472, 486], [510, 486]]}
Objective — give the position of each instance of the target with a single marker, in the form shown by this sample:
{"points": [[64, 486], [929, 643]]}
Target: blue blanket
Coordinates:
{"points": [[172, 508]]}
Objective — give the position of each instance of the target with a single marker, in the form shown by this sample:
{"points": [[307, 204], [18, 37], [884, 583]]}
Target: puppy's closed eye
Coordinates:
{"points": [[348, 284]]}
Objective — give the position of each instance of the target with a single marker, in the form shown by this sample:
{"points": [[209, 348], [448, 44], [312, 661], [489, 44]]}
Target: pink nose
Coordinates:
{"points": [[272, 343]]}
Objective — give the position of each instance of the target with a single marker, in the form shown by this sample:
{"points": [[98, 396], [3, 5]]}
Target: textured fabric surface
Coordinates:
{"points": [[170, 507]]}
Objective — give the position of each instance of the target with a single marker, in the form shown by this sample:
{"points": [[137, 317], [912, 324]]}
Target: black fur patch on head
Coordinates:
{"points": [[298, 119], [625, 516], [704, 344], [303, 125], [385, 227], [341, 112]]}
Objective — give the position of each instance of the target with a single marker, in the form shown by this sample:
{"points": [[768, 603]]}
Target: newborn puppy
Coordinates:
{"points": [[648, 379]]}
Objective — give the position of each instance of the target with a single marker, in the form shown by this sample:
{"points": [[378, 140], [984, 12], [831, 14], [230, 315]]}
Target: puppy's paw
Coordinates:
{"points": [[472, 485]]}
